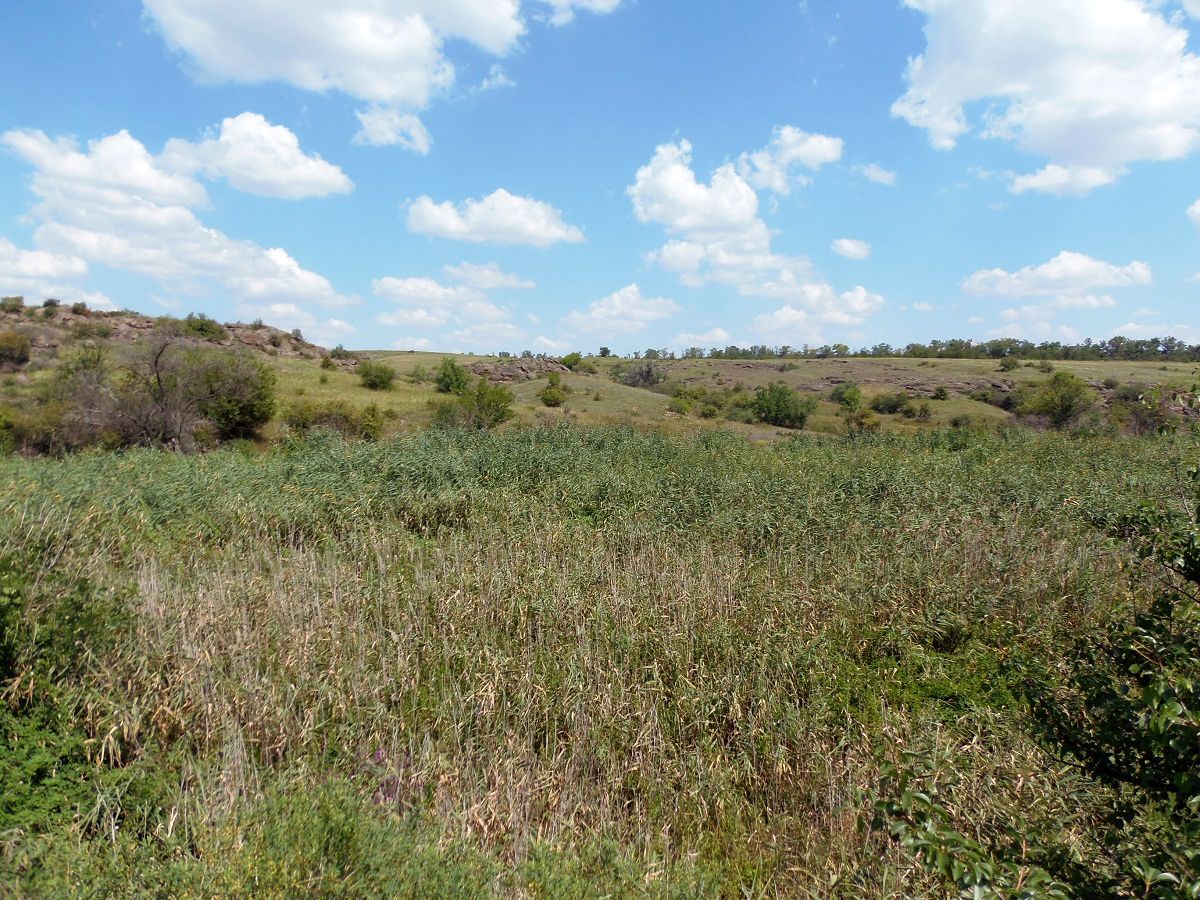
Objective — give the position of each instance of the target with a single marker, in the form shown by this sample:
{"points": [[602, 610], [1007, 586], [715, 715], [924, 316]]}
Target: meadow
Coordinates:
{"points": [[558, 660]]}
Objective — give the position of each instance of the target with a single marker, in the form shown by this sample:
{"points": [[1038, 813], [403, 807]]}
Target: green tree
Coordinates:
{"points": [[571, 360], [605, 352], [780, 405], [451, 378], [1062, 400]]}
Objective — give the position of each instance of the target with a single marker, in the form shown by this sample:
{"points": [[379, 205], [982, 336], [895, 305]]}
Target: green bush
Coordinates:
{"points": [[340, 352], [644, 375], [200, 326], [1009, 363], [335, 415], [451, 378], [482, 407], [847, 395], [327, 363], [940, 393], [12, 304], [890, 403], [376, 376], [679, 406], [780, 405], [1062, 400], [14, 348], [237, 392], [571, 360], [552, 396]]}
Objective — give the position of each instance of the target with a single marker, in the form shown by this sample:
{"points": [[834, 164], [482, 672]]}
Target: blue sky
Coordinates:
{"points": [[557, 174]]}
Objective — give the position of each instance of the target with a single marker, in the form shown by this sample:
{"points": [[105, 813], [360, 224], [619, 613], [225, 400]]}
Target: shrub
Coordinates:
{"points": [[709, 411], [14, 348], [166, 393], [340, 352], [778, 404], [679, 406], [847, 395], [51, 303], [80, 309], [482, 407], [1062, 400], [960, 421], [257, 325], [327, 363], [1009, 363], [646, 375], [201, 326], [940, 393], [1111, 383], [12, 304], [337, 415], [298, 336], [571, 360], [924, 413], [451, 378], [552, 396], [1045, 366], [890, 404], [275, 339], [375, 375]]}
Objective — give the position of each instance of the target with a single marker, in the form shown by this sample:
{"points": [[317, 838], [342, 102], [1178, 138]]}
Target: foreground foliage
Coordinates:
{"points": [[566, 662]]}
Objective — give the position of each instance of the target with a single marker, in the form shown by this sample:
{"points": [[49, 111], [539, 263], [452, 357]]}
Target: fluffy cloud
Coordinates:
{"points": [[1067, 275], [666, 191], [383, 126], [1091, 87], [623, 312], [711, 338], [259, 158], [852, 248], [426, 303], [718, 237], [1194, 209], [877, 173], [388, 53], [563, 11], [770, 168], [499, 218], [115, 203], [1071, 282], [487, 277]]}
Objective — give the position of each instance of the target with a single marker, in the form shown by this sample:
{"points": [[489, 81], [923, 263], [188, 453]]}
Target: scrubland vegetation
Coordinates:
{"points": [[552, 657], [585, 662]]}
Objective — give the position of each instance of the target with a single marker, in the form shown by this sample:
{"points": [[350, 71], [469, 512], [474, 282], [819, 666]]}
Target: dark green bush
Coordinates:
{"points": [[451, 378], [327, 363], [1062, 400], [376, 376], [780, 405], [645, 375], [340, 352], [482, 407], [891, 403], [847, 395], [1009, 363], [336, 415], [200, 326], [940, 393]]}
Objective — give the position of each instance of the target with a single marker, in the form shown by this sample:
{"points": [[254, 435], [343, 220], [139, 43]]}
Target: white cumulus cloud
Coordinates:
{"points": [[622, 312], [499, 218], [486, 277], [1194, 213], [712, 338], [851, 248], [1068, 273], [385, 126], [717, 236], [259, 158], [771, 168], [117, 204], [1091, 87]]}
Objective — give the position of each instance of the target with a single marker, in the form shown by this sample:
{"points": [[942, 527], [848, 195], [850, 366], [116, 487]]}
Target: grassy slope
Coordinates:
{"points": [[547, 662], [619, 404]]}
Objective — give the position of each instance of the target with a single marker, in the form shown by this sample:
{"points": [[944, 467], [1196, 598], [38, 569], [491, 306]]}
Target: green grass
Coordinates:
{"points": [[563, 661]]}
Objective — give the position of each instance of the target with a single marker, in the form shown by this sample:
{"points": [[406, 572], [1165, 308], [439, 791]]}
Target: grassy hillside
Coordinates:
{"points": [[595, 397], [547, 662]]}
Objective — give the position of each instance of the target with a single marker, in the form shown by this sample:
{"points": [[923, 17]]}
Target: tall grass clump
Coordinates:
{"points": [[557, 661]]}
